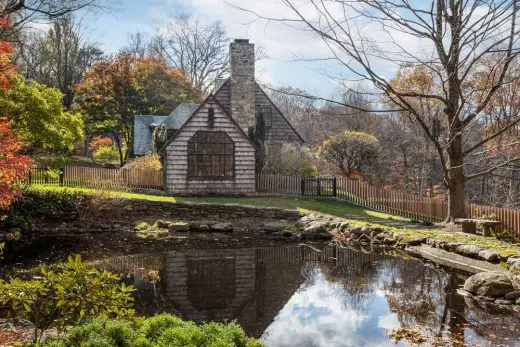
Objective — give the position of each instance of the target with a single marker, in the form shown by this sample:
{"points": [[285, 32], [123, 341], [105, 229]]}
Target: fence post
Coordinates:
{"points": [[62, 176], [334, 187], [30, 176], [318, 186], [302, 186]]}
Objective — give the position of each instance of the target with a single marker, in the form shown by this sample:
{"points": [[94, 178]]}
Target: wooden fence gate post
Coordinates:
{"points": [[302, 186], [334, 187], [62, 176]]}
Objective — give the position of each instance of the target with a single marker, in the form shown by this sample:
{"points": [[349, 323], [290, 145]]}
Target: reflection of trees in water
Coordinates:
{"points": [[425, 298], [414, 291], [420, 295], [358, 278]]}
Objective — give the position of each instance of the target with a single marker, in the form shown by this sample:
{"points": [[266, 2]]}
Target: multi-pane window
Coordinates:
{"points": [[211, 155]]}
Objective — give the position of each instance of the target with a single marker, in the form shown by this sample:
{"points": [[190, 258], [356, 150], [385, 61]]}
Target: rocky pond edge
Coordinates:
{"points": [[501, 287]]}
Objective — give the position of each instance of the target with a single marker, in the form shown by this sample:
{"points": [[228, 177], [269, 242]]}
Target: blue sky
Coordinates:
{"points": [[282, 44]]}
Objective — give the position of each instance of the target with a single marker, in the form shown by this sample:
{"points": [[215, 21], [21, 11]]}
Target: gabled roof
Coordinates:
{"points": [[143, 132], [179, 116], [213, 99], [223, 94], [279, 111]]}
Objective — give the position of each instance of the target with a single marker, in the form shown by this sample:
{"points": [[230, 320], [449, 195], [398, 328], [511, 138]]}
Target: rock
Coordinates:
{"points": [[489, 255], [503, 302], [513, 295], [375, 232], [366, 230], [464, 293], [398, 236], [315, 236], [364, 238], [494, 284], [417, 242], [485, 298], [514, 275], [356, 230], [343, 226], [222, 227], [317, 227], [287, 233], [518, 301], [469, 250], [200, 227], [388, 241], [272, 228], [451, 246], [512, 260], [179, 227], [163, 224]]}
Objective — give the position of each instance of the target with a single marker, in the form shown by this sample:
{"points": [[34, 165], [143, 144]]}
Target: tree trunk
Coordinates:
{"points": [[456, 180]]}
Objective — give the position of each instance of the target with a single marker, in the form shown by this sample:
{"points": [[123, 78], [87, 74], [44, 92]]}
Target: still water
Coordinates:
{"points": [[304, 296]]}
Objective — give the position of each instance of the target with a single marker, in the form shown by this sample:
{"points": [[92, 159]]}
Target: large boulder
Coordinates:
{"points": [[469, 250], [514, 274], [493, 284]]}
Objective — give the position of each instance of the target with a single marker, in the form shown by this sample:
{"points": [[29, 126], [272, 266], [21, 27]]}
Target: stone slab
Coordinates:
{"points": [[454, 260]]}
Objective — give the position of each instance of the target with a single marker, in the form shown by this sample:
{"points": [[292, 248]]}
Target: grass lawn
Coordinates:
{"points": [[328, 206]]}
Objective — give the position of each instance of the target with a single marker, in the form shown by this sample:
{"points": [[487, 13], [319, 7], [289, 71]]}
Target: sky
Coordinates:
{"points": [[283, 45]]}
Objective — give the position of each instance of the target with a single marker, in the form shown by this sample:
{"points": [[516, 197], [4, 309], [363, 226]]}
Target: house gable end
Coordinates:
{"points": [[279, 129]]}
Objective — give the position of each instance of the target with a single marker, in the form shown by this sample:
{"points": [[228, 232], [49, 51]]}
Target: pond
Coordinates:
{"points": [[308, 295]]}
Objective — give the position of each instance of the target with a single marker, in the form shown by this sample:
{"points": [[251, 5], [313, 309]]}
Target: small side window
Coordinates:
{"points": [[211, 117]]}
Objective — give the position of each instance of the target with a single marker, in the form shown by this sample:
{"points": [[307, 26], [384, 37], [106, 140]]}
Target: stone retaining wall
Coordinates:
{"points": [[198, 211]]}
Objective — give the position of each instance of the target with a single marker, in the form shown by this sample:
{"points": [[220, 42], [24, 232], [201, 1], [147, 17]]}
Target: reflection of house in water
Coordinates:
{"points": [[249, 285]]}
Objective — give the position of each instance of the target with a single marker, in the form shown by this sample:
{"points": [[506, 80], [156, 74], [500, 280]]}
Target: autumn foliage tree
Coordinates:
{"points": [[114, 91], [13, 165], [350, 151]]}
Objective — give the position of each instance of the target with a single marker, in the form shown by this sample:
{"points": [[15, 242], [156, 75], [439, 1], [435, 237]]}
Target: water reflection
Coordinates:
{"points": [[299, 296]]}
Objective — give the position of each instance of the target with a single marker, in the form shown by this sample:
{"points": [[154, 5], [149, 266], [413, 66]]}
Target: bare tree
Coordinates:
{"points": [[25, 11], [201, 50], [452, 39], [138, 45], [58, 58]]}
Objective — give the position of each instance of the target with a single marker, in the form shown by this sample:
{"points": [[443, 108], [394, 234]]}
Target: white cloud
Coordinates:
{"points": [[319, 314]]}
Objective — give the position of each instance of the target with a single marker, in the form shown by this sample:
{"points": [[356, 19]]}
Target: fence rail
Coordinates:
{"points": [[385, 200], [87, 177]]}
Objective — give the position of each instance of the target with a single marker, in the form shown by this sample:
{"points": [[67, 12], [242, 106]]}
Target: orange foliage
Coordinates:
{"points": [[13, 166], [98, 142]]}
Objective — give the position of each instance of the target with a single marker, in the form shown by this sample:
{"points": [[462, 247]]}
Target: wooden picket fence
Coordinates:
{"points": [[381, 199], [88, 177]]}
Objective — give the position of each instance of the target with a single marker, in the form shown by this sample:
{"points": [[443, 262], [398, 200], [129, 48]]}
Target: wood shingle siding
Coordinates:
{"points": [[176, 156]]}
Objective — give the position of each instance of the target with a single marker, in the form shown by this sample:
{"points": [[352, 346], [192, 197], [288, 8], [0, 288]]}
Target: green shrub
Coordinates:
{"points": [[153, 327], [46, 203], [106, 154], [72, 295], [163, 330]]}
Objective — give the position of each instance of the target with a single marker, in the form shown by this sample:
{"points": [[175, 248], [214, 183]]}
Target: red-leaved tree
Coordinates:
{"points": [[13, 165]]}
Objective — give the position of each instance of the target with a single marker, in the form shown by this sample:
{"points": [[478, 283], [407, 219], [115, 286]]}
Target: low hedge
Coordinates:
{"points": [[162, 330]]}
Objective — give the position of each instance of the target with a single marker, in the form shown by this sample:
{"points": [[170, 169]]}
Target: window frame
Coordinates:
{"points": [[215, 160]]}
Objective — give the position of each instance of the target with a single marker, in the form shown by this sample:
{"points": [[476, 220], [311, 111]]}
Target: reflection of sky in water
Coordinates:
{"points": [[319, 314]]}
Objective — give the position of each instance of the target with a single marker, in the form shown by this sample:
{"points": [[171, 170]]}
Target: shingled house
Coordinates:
{"points": [[209, 152]]}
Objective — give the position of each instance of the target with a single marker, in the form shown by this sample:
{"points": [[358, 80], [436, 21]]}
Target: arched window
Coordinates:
{"points": [[211, 155]]}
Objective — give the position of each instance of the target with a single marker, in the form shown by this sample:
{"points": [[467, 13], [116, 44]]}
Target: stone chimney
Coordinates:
{"points": [[242, 61]]}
